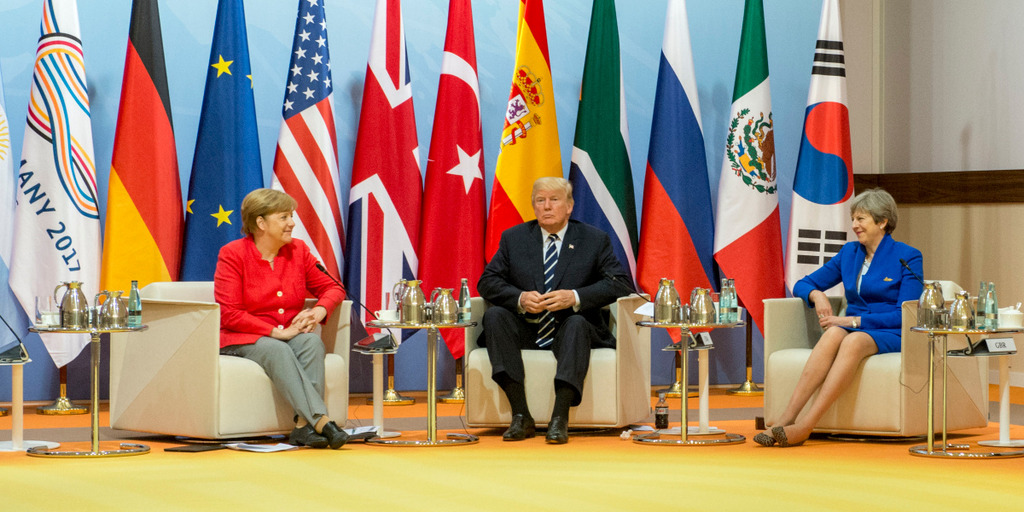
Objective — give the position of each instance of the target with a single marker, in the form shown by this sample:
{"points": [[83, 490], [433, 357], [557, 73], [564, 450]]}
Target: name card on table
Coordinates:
{"points": [[1000, 345]]}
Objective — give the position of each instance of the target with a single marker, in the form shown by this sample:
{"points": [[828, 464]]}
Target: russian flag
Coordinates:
{"points": [[677, 232]]}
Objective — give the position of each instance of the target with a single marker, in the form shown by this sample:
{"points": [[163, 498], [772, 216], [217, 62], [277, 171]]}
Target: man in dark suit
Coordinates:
{"points": [[547, 284]]}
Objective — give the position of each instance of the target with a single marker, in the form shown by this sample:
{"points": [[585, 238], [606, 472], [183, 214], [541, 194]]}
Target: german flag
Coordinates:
{"points": [[529, 139], [145, 221]]}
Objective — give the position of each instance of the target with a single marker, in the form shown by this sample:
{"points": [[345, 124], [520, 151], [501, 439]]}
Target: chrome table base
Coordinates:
{"points": [[124, 448], [431, 440], [945, 449], [684, 431]]}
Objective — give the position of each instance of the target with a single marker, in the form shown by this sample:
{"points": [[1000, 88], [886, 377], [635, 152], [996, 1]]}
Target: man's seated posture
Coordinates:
{"points": [[547, 284]]}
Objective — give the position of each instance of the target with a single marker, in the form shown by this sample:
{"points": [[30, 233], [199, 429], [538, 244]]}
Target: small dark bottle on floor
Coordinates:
{"points": [[661, 413]]}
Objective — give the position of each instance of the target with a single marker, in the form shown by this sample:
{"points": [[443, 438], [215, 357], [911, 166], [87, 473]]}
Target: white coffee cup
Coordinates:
{"points": [[387, 315], [1011, 319]]}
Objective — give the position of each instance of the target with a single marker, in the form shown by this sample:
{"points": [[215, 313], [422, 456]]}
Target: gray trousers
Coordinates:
{"points": [[296, 367]]}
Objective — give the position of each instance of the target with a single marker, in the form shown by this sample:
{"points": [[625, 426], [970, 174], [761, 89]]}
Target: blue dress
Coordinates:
{"points": [[883, 289]]}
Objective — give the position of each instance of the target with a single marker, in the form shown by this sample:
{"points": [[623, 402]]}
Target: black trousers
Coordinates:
{"points": [[507, 333]]}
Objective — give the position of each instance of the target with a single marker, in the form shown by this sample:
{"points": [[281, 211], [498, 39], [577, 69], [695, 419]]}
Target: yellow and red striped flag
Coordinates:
{"points": [[529, 140], [144, 225]]}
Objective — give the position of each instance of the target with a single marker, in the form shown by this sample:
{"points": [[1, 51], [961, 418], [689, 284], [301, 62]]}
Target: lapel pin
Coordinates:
{"points": [[887, 279], [571, 246]]}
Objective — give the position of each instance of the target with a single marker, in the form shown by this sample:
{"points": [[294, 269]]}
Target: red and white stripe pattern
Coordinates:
{"points": [[306, 162]]}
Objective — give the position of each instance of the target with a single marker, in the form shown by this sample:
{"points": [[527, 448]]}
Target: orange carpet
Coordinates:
{"points": [[594, 472]]}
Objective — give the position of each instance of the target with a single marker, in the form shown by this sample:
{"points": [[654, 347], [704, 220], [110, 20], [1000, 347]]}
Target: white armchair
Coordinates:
{"points": [[616, 392], [171, 378], [889, 393]]}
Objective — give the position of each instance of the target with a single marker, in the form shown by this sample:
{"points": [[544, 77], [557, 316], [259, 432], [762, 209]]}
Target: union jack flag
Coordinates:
{"points": [[306, 163], [384, 203]]}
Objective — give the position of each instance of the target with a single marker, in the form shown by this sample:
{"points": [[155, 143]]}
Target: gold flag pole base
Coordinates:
{"points": [[392, 397], [675, 390], [62, 406], [4, 412], [457, 395], [747, 388]]}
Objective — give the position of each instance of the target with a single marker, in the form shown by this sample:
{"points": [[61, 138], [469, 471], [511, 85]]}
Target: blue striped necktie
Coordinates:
{"points": [[546, 334]]}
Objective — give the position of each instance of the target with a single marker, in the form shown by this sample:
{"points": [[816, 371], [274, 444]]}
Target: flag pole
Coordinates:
{"points": [[457, 395], [392, 397], [748, 387], [61, 405], [675, 389]]}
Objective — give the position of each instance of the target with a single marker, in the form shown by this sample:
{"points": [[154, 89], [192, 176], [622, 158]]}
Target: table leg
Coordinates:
{"points": [[947, 450], [124, 448], [452, 439], [432, 385], [18, 442], [94, 390], [1004, 409]]}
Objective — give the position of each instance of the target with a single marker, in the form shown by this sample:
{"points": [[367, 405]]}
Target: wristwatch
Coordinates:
{"points": [[854, 322]]}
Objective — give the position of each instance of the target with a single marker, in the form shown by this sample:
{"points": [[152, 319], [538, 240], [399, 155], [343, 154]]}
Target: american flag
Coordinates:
{"points": [[306, 163]]}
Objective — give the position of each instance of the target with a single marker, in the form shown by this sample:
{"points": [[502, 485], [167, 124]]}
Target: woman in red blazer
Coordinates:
{"points": [[261, 283]]}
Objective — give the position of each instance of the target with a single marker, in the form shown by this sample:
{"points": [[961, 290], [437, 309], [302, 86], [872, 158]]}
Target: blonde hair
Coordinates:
{"points": [[879, 204], [262, 202], [549, 183]]}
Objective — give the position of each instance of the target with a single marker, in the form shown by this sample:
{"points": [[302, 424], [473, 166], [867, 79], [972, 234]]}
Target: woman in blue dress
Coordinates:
{"points": [[876, 283]]}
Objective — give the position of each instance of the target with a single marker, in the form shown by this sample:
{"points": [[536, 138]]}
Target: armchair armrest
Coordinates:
{"points": [[335, 333], [477, 307], [789, 323]]}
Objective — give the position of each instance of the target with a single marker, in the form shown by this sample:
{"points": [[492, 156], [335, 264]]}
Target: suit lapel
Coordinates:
{"points": [[565, 256], [535, 249]]}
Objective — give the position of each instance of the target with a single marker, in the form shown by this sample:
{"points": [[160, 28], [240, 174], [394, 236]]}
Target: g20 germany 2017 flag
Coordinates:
{"points": [[226, 165], [823, 185], [144, 225], [529, 139], [56, 220], [748, 237], [601, 177]]}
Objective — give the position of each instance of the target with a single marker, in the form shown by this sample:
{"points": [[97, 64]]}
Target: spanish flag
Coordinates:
{"points": [[144, 223], [529, 140]]}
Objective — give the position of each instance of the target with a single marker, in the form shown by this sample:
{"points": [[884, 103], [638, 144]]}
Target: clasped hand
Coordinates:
{"points": [[304, 322], [535, 302]]}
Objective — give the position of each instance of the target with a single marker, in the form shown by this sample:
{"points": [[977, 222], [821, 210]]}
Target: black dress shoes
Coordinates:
{"points": [[558, 431], [336, 437], [306, 436], [522, 427]]}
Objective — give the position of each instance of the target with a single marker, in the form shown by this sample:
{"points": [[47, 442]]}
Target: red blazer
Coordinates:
{"points": [[254, 298]]}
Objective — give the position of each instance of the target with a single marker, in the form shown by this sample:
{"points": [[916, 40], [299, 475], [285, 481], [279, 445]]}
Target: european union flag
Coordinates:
{"points": [[226, 165]]}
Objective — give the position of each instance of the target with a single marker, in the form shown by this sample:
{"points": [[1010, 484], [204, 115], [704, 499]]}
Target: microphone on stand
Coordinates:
{"points": [[320, 267], [625, 285], [379, 343], [907, 266], [16, 354]]}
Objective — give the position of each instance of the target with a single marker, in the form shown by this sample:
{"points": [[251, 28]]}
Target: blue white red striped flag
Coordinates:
{"points": [[56, 220], [823, 185], [384, 202], [306, 163], [677, 233]]}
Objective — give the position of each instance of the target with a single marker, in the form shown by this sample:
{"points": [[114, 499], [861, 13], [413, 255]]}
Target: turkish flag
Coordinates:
{"points": [[452, 229]]}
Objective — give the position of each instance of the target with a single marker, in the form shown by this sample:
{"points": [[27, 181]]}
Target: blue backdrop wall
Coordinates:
{"points": [[188, 30]]}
